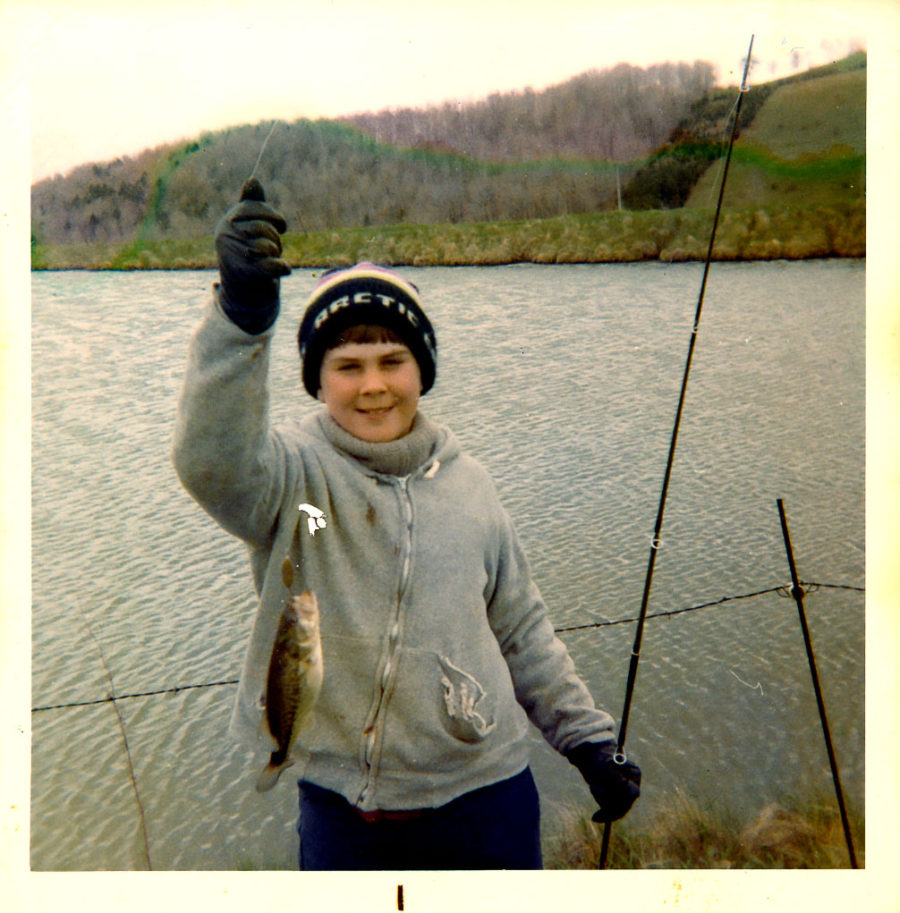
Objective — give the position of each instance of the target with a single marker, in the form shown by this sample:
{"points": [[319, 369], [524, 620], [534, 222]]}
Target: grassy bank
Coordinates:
{"points": [[799, 836], [688, 837], [746, 233]]}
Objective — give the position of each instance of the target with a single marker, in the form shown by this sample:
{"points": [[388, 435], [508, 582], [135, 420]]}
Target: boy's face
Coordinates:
{"points": [[371, 389]]}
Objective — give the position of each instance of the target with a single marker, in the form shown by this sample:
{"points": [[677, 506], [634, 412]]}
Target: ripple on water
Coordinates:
{"points": [[563, 382]]}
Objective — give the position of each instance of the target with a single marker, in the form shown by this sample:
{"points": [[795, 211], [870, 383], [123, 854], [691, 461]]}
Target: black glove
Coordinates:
{"points": [[248, 247], [614, 786]]}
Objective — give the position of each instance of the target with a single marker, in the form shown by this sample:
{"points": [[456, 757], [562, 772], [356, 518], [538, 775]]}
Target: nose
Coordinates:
{"points": [[373, 381]]}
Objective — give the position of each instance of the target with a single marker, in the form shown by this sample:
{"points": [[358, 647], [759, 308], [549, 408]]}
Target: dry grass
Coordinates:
{"points": [[688, 837], [752, 233]]}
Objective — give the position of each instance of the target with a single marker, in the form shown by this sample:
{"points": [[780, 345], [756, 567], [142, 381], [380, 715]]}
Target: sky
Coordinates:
{"points": [[107, 79]]}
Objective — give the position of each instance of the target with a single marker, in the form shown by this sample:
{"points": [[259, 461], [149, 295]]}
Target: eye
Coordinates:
{"points": [[395, 360]]}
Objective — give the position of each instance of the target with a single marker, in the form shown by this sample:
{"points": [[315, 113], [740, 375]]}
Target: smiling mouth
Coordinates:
{"points": [[381, 410]]}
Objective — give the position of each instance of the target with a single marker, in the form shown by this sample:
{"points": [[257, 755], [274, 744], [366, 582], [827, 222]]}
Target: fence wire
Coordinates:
{"points": [[783, 590]]}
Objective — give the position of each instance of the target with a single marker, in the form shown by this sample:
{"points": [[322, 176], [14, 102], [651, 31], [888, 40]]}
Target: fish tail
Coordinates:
{"points": [[271, 772]]}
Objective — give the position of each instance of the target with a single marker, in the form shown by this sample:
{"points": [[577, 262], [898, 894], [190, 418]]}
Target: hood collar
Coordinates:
{"points": [[426, 444]]}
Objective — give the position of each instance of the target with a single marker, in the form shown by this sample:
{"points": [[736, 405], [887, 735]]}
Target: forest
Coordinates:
{"points": [[520, 155], [554, 176]]}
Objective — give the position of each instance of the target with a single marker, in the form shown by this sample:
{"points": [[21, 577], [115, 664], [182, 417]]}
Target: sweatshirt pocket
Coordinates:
{"points": [[442, 715], [469, 716]]}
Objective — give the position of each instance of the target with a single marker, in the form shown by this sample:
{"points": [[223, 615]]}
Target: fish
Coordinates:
{"points": [[294, 679]]}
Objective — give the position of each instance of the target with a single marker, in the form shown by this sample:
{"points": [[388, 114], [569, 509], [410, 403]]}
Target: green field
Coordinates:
{"points": [[806, 146]]}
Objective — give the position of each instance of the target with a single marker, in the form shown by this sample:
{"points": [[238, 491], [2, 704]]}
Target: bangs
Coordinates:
{"points": [[364, 333]]}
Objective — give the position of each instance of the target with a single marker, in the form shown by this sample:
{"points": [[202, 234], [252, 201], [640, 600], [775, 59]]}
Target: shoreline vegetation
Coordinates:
{"points": [[620, 236], [795, 834], [686, 836]]}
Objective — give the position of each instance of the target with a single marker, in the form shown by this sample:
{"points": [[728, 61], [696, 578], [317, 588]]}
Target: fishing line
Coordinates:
{"points": [[263, 148], [112, 700], [620, 756]]}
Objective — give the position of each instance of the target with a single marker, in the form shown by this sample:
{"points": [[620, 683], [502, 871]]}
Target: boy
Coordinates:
{"points": [[437, 646]]}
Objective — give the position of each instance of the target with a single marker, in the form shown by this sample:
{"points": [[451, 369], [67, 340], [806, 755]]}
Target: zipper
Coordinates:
{"points": [[393, 635]]}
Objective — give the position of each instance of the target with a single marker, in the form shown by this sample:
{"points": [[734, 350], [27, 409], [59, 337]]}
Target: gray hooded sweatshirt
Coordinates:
{"points": [[437, 645]]}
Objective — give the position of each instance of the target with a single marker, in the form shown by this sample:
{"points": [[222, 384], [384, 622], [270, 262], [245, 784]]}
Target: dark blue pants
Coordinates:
{"points": [[496, 827]]}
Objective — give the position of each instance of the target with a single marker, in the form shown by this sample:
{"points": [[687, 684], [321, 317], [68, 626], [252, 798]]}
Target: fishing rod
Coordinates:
{"points": [[798, 592], [656, 541]]}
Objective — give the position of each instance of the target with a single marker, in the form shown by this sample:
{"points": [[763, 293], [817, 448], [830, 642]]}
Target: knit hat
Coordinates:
{"points": [[364, 294]]}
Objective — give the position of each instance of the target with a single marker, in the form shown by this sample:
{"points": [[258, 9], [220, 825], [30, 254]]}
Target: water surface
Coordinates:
{"points": [[563, 380]]}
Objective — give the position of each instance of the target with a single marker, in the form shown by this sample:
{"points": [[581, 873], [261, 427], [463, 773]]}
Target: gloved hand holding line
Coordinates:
{"points": [[248, 248]]}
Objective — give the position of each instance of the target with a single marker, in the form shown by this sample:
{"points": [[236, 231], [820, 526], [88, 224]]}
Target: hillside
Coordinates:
{"points": [[801, 145], [807, 144], [615, 115], [321, 174], [520, 155], [801, 141]]}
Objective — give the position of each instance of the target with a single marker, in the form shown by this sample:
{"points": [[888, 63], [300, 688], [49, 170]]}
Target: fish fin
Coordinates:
{"points": [[271, 772]]}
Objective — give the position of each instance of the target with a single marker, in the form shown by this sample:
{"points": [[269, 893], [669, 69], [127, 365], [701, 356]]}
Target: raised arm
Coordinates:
{"points": [[223, 450]]}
